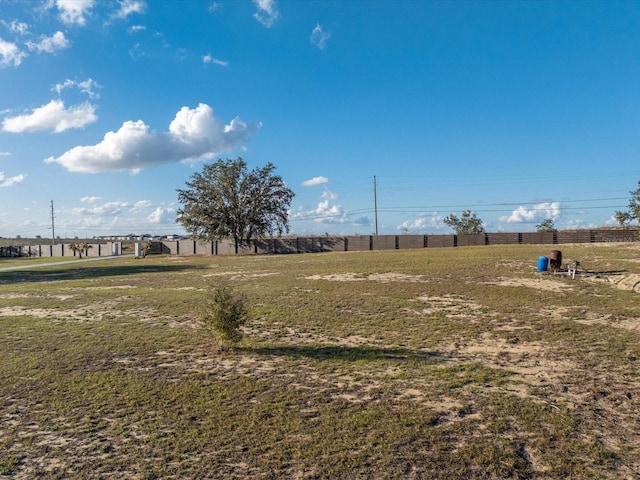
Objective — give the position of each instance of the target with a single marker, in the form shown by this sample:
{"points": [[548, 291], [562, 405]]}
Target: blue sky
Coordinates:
{"points": [[519, 111]]}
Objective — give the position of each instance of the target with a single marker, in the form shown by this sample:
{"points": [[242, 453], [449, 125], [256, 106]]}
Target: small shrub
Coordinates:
{"points": [[223, 311]]}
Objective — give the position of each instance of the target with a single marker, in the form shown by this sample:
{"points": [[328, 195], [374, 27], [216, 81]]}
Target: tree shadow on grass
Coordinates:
{"points": [[345, 353], [43, 274]]}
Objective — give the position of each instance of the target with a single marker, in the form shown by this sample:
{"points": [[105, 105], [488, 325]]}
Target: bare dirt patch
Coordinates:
{"points": [[627, 281], [376, 277], [546, 284], [449, 305]]}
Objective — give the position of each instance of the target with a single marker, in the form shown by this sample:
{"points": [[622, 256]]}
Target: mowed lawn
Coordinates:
{"points": [[435, 363]]}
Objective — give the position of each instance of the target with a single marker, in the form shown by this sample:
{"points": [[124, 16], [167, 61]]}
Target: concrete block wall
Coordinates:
{"points": [[359, 244], [503, 238], [384, 242], [471, 240], [411, 241], [437, 241], [538, 238]]}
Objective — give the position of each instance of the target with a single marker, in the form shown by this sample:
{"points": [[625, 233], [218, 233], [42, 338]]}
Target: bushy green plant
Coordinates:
{"points": [[224, 310]]}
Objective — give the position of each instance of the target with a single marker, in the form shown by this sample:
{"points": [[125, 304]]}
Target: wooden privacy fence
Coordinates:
{"points": [[389, 242]]}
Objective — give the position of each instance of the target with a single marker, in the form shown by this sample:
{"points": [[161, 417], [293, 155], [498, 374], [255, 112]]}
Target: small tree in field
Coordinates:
{"points": [[223, 312], [467, 223], [80, 248]]}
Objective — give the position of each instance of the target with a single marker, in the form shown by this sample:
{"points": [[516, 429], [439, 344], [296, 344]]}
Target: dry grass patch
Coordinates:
{"points": [[434, 363]]}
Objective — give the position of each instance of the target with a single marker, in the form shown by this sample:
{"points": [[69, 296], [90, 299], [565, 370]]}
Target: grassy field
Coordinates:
{"points": [[435, 363]]}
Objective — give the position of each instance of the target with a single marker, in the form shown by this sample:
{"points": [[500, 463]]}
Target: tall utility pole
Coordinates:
{"points": [[375, 202], [53, 229]]}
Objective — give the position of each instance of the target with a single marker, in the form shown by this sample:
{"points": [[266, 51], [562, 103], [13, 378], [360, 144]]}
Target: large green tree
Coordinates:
{"points": [[467, 223], [633, 213], [228, 200]]}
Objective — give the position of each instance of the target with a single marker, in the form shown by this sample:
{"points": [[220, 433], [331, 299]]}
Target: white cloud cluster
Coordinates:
{"points": [[161, 216], [9, 182], [74, 12], [109, 209], [86, 86], [267, 13], [141, 216], [53, 116], [15, 26], [209, 59], [71, 13], [539, 212], [193, 134], [424, 222], [319, 38], [51, 44], [315, 181], [326, 212], [10, 54], [128, 7]]}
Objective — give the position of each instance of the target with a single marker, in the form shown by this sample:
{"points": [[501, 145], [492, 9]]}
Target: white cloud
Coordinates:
{"points": [[109, 209], [8, 182], [15, 26], [162, 215], [74, 11], [5, 154], [267, 12], [325, 212], [315, 181], [119, 216], [85, 86], [194, 134], [209, 59], [612, 222], [49, 44], [424, 222], [53, 116], [539, 212], [215, 7], [137, 28], [10, 54], [128, 7], [318, 37], [141, 205]]}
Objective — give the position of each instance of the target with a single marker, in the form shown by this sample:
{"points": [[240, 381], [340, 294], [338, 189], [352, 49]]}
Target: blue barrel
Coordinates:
{"points": [[543, 264]]}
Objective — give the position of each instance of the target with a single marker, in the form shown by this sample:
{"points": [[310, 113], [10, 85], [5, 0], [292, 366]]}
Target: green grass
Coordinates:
{"points": [[434, 363]]}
